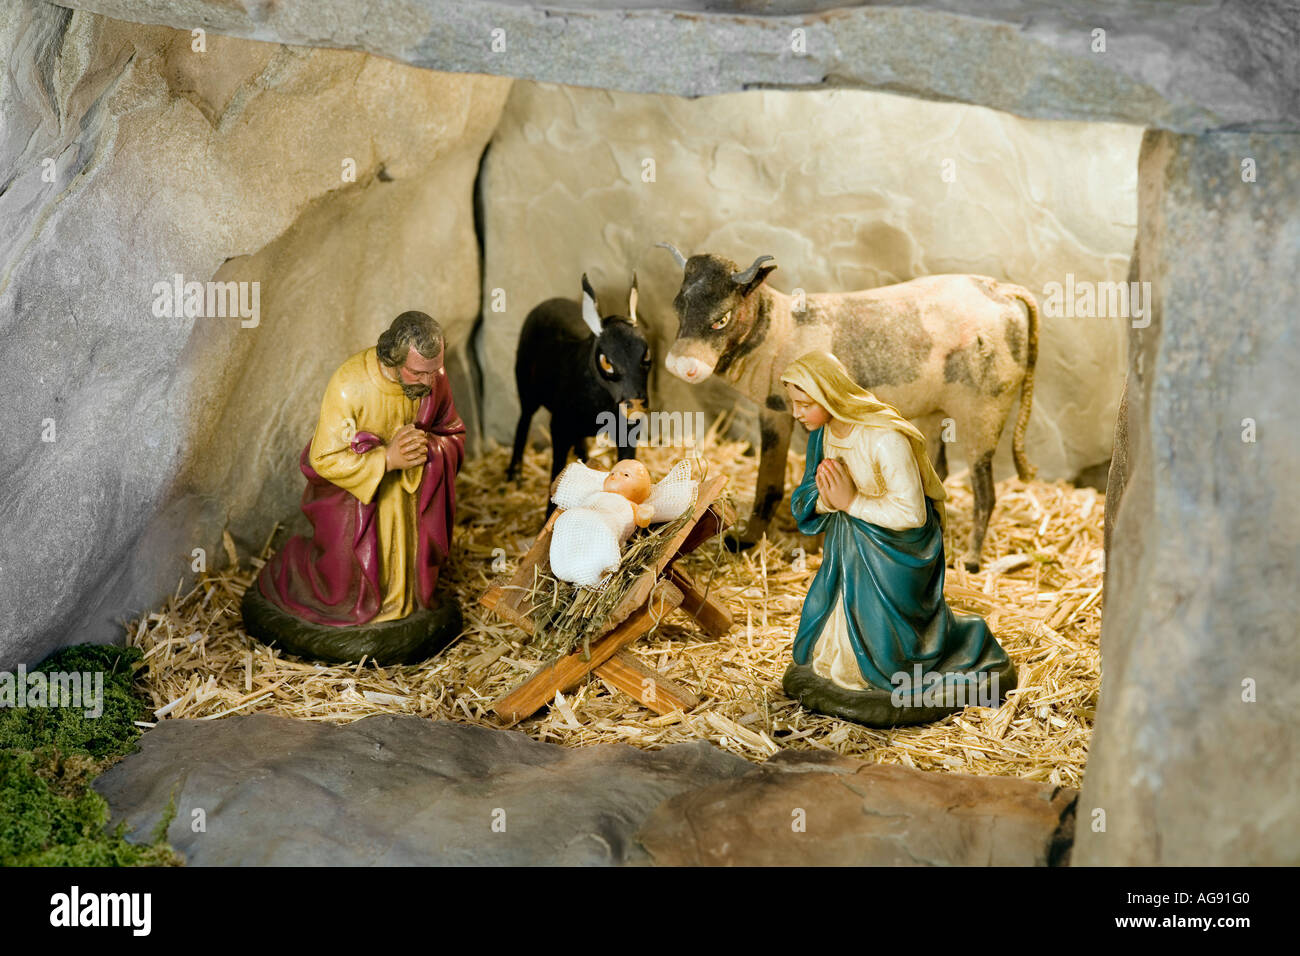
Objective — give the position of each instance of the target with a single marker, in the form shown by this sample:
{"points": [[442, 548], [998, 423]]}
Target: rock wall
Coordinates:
{"points": [[1193, 757], [127, 158], [847, 189]]}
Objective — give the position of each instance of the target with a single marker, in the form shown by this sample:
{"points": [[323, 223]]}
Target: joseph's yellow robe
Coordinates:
{"points": [[360, 399]]}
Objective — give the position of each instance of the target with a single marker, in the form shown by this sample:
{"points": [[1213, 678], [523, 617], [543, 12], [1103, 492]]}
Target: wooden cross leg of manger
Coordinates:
{"points": [[660, 588]]}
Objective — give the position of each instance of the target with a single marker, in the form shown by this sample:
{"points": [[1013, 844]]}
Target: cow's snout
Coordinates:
{"points": [[688, 369]]}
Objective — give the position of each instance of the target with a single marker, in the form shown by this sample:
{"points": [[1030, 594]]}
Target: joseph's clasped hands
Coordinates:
{"points": [[409, 447]]}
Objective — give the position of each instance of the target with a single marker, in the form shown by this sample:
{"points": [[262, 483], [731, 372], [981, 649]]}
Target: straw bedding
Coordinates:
{"points": [[1040, 590]]}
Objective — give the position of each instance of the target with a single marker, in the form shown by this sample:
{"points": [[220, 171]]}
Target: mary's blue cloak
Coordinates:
{"points": [[891, 583]]}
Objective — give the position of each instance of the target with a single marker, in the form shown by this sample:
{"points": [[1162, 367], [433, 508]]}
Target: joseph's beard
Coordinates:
{"points": [[414, 392]]}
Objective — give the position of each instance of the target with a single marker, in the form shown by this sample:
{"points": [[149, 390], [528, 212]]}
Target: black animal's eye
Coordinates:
{"points": [[722, 322], [605, 365], [645, 362]]}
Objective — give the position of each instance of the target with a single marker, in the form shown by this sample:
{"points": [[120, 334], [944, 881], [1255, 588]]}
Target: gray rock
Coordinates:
{"points": [[1117, 476], [408, 791], [1187, 66], [1193, 760], [799, 810], [396, 791]]}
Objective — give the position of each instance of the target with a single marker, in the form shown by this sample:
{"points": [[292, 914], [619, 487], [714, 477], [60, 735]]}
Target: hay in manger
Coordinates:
{"points": [[566, 617]]}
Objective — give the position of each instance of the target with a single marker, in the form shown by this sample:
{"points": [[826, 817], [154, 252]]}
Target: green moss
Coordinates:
{"points": [[68, 729], [49, 815]]}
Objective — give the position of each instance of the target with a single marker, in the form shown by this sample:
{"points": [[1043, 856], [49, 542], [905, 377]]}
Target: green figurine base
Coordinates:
{"points": [[873, 707], [410, 640]]}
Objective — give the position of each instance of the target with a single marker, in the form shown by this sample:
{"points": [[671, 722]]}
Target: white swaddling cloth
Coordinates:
{"points": [[588, 536]]}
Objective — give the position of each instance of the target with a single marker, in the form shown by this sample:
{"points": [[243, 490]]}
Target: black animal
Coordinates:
{"points": [[588, 371]]}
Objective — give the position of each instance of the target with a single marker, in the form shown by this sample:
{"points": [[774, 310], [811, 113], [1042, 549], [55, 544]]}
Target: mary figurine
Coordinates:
{"points": [[877, 642]]}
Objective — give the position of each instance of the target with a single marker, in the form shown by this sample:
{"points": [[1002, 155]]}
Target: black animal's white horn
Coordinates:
{"points": [[740, 278], [681, 259]]}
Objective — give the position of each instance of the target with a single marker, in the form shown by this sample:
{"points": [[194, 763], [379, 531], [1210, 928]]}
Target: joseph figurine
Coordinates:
{"points": [[380, 497]]}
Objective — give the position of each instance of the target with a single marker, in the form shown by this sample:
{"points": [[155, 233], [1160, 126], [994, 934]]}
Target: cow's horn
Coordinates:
{"points": [[681, 259], [743, 278]]}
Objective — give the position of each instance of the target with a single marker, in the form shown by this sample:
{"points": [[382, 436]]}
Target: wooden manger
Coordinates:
{"points": [[658, 590]]}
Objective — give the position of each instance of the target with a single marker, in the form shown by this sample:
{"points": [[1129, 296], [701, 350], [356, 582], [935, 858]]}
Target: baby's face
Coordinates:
{"points": [[629, 479]]}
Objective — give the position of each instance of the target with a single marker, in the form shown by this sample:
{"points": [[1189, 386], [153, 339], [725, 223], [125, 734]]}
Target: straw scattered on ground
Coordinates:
{"points": [[1040, 590]]}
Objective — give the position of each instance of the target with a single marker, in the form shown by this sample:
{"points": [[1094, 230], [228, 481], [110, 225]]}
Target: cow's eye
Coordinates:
{"points": [[722, 322], [605, 365], [646, 362]]}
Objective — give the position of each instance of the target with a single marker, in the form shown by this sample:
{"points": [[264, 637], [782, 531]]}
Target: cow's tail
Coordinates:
{"points": [[1024, 469]]}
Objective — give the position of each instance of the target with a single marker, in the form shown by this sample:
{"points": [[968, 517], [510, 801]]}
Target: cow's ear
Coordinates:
{"points": [[590, 312], [758, 279]]}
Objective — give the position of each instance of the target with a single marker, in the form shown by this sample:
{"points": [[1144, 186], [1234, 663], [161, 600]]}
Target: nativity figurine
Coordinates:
{"points": [[601, 510], [877, 643], [381, 500]]}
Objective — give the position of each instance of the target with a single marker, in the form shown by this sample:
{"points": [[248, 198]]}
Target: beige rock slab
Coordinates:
{"points": [[806, 811]]}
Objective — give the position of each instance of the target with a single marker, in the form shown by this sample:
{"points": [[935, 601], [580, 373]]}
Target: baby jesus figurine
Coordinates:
{"points": [[600, 510]]}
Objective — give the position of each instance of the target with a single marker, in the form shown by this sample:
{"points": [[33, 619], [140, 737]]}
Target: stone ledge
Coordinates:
{"points": [[798, 810], [407, 791], [1185, 67]]}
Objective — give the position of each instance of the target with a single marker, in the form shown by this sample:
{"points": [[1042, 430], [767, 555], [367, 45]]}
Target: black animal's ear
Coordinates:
{"points": [[590, 311]]}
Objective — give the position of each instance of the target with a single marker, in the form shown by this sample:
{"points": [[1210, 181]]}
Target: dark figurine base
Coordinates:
{"points": [[873, 707], [408, 641]]}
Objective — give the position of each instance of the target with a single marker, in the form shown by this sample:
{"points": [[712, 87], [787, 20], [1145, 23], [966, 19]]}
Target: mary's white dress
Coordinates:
{"points": [[890, 494]]}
